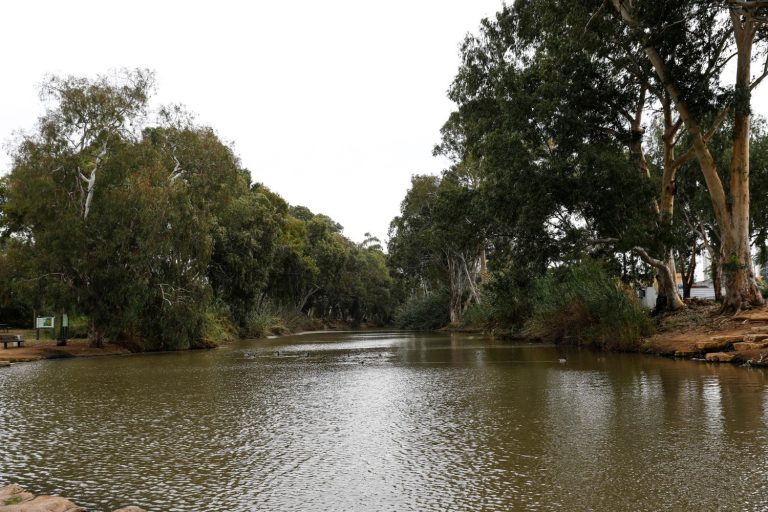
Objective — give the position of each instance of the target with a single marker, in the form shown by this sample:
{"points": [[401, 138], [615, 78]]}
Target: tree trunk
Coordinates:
{"points": [[96, 336], [740, 284], [716, 281], [690, 273], [731, 210], [668, 299], [456, 288]]}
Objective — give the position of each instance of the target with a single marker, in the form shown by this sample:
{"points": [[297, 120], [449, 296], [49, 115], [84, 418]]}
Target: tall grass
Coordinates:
{"points": [[585, 306], [272, 319]]}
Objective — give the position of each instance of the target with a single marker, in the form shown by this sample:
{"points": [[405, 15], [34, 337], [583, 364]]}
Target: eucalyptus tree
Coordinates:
{"points": [[688, 45], [555, 135], [117, 220], [550, 79], [435, 243]]}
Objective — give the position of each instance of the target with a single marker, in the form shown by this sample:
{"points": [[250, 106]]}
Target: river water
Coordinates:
{"points": [[387, 421]]}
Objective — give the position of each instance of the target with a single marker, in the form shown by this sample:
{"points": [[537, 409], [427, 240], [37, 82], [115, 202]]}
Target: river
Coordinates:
{"points": [[387, 421]]}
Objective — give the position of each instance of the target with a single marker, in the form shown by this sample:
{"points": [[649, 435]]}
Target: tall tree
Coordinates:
{"points": [[688, 45]]}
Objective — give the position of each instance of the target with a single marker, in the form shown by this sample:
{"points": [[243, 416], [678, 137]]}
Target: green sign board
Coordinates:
{"points": [[44, 322]]}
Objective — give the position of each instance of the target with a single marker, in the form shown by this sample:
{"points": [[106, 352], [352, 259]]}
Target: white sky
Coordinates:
{"points": [[332, 104]]}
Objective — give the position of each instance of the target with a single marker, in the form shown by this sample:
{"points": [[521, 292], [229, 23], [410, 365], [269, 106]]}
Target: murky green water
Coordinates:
{"points": [[387, 421]]}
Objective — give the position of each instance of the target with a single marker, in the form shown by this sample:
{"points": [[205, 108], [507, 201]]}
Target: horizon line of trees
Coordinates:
{"points": [[155, 232]]}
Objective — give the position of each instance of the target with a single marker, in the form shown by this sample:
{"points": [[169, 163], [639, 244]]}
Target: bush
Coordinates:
{"points": [[78, 326], [424, 313], [479, 315], [585, 306], [509, 293], [270, 319], [218, 327]]}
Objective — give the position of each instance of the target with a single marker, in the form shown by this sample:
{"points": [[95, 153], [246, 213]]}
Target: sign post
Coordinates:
{"points": [[44, 322]]}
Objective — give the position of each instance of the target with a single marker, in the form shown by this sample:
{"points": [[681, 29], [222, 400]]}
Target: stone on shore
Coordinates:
{"points": [[746, 345], [728, 338], [720, 357], [4, 364], [754, 338], [686, 353], [13, 498], [713, 345]]}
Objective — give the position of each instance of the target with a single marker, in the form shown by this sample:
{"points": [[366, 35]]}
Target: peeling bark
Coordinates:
{"points": [[90, 180]]}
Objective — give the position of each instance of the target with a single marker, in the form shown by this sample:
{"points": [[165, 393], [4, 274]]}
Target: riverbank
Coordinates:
{"points": [[700, 333], [35, 350], [14, 498]]}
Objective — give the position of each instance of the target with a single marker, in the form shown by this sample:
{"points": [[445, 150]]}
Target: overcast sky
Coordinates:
{"points": [[332, 104]]}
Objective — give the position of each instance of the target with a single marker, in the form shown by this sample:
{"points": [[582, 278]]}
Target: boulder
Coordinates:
{"points": [[712, 345], [747, 345], [720, 357], [728, 338], [754, 338], [14, 498], [12, 494]]}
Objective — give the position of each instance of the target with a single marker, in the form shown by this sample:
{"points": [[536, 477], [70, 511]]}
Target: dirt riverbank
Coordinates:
{"points": [[34, 350], [698, 332]]}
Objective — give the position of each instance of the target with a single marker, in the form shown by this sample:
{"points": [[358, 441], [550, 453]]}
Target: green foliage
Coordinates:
{"points": [[270, 319], [479, 316], [78, 326], [219, 327], [583, 305], [425, 313], [509, 295], [438, 238], [155, 234]]}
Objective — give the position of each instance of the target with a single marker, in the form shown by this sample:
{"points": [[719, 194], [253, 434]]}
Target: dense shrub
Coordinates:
{"points": [[585, 306], [270, 319], [479, 316], [424, 313], [509, 293], [219, 326]]}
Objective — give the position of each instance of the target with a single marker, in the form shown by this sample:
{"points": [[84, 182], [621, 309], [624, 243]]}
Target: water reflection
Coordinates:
{"points": [[387, 421]]}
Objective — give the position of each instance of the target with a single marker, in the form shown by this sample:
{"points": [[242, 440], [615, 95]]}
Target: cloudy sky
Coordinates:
{"points": [[332, 104]]}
